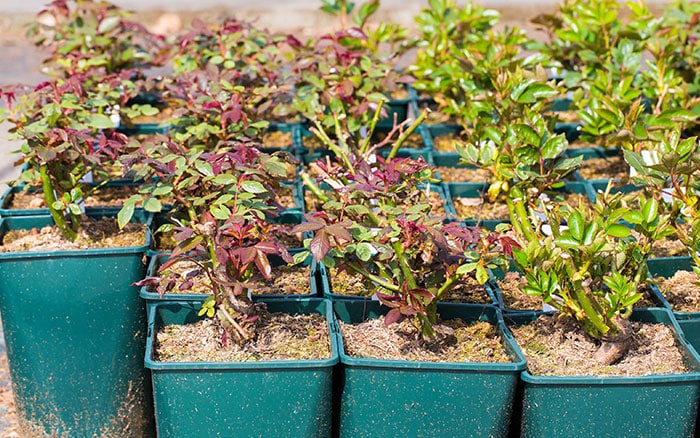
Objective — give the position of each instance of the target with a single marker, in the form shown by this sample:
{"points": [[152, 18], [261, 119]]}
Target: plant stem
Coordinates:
{"points": [[405, 269], [372, 126], [315, 189], [404, 136], [374, 278], [50, 197]]}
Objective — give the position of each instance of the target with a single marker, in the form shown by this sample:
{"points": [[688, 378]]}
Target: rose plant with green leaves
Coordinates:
{"points": [[375, 221], [584, 262], [67, 139]]}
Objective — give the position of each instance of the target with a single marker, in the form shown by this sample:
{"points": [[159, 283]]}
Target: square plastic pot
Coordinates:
{"points": [[403, 398], [653, 405], [75, 332], [273, 398]]}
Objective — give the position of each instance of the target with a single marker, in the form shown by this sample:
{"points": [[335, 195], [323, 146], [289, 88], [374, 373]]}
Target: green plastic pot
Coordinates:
{"points": [[275, 398], [144, 129], [75, 331], [689, 322], [654, 405], [403, 398]]}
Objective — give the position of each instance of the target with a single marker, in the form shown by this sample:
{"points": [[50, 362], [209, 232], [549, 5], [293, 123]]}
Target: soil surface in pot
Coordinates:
{"points": [[446, 143], [277, 139], [669, 247], [102, 197], [348, 283], [463, 174], [513, 297], [286, 280], [480, 208], [280, 336], [682, 291], [285, 197], [94, 233], [604, 168], [554, 345], [468, 290], [455, 341]]}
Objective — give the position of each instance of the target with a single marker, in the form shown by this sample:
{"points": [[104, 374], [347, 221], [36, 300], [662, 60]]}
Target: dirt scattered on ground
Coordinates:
{"points": [[556, 346], [94, 233], [347, 283], [8, 416], [682, 291], [455, 341], [279, 337]]}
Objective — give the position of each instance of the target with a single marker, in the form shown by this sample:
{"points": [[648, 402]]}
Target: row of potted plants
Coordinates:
{"points": [[213, 168]]}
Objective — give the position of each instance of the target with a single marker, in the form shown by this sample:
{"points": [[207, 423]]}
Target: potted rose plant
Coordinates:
{"points": [[375, 222]]}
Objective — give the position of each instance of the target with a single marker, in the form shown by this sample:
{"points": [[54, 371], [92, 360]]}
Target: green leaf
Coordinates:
{"points": [[224, 179], [567, 242], [635, 160], [275, 167], [126, 213], [99, 121], [152, 205], [466, 268], [204, 168], [253, 187], [590, 233], [633, 217], [526, 134], [364, 251], [108, 24], [482, 275], [220, 212], [554, 146], [575, 223], [618, 230], [650, 210]]}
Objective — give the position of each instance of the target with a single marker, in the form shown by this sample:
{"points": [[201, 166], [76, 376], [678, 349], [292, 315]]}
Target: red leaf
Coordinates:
{"points": [[391, 317], [320, 245], [263, 265], [421, 292], [247, 255]]}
